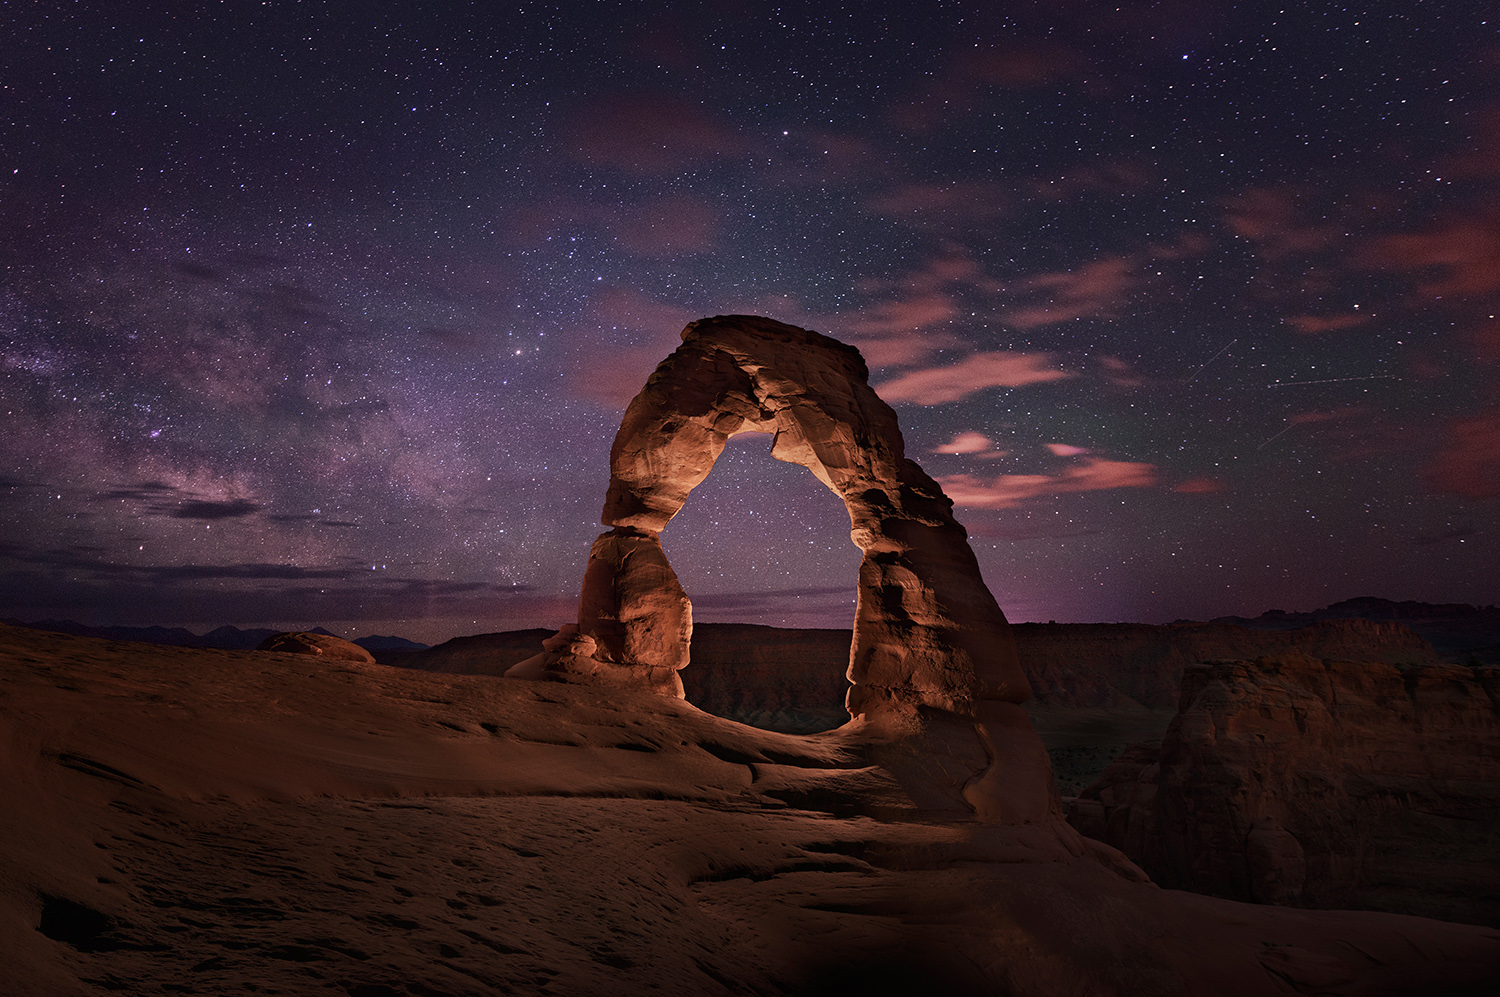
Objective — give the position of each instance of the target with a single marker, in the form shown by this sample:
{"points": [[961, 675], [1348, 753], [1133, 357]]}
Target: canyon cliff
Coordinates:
{"points": [[1315, 782]]}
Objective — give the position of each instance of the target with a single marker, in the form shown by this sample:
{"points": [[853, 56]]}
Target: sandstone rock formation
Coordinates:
{"points": [[326, 645], [182, 820], [1322, 783], [927, 631], [932, 661], [772, 677], [479, 654]]}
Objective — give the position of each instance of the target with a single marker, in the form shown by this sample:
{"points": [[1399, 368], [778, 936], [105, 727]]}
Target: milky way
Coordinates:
{"points": [[327, 313]]}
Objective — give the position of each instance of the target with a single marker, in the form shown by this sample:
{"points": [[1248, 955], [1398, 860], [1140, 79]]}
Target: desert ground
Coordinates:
{"points": [[215, 822]]}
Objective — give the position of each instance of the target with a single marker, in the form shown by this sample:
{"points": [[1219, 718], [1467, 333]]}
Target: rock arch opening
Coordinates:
{"points": [[762, 550], [927, 633]]}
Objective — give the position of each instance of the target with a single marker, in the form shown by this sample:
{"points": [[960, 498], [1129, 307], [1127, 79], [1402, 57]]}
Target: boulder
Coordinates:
{"points": [[327, 645]]}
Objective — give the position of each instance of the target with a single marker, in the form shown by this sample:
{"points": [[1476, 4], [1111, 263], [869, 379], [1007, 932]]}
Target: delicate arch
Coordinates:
{"points": [[927, 632]]}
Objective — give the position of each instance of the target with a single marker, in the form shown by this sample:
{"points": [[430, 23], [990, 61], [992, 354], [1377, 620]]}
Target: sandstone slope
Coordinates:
{"points": [[183, 820]]}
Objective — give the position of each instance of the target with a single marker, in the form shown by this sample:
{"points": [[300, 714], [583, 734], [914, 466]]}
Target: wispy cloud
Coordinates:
{"points": [[1310, 325], [935, 385], [628, 333], [1279, 221], [966, 443], [202, 509], [186, 500], [1468, 463], [1010, 490], [1093, 289], [1460, 255]]}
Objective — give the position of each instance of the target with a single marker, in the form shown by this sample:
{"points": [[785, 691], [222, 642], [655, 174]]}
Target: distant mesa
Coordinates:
{"points": [[931, 650], [325, 645], [226, 638], [1460, 633]]}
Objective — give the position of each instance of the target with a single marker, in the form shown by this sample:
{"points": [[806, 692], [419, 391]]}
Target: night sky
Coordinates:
{"points": [[326, 313]]}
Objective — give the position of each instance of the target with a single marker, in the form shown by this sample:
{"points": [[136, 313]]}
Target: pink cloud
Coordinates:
{"points": [[904, 314], [1066, 449], [935, 385], [1310, 325], [1010, 490], [1463, 254], [630, 333], [1469, 462], [1275, 220], [898, 332], [1096, 288], [966, 443], [1118, 372], [919, 309], [1328, 415]]}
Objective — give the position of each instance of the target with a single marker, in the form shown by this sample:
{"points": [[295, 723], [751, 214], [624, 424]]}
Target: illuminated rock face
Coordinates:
{"points": [[927, 632]]}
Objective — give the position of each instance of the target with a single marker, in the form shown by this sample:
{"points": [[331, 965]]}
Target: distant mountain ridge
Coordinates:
{"points": [[1457, 631], [225, 638]]}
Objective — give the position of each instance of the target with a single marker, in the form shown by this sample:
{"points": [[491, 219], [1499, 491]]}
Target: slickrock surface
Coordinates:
{"points": [[1324, 783], [220, 822], [323, 645], [480, 654]]}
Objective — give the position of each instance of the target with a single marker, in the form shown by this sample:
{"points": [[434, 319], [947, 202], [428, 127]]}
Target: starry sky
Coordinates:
{"points": [[327, 313]]}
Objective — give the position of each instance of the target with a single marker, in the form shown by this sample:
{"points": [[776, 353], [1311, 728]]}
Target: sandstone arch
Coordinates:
{"points": [[927, 632]]}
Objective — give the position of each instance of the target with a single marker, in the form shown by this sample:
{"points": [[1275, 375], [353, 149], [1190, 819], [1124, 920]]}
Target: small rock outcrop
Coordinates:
{"points": [[932, 655], [1320, 783], [326, 645]]}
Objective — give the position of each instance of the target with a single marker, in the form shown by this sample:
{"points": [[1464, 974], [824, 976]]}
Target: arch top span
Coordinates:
{"points": [[927, 632]]}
